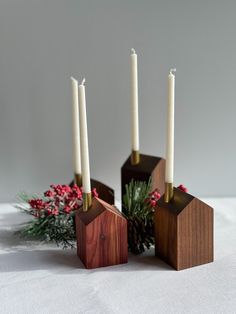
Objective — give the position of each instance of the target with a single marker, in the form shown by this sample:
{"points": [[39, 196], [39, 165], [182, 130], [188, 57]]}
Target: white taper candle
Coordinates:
{"points": [[75, 123], [134, 101], [169, 174], [84, 140]]}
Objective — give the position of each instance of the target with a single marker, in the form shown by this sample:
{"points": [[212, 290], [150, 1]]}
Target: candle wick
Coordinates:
{"points": [[83, 81], [133, 50], [172, 70]]}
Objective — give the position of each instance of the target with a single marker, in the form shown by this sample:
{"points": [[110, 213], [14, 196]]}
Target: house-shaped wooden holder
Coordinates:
{"points": [[101, 234], [104, 191], [149, 166], [184, 231]]}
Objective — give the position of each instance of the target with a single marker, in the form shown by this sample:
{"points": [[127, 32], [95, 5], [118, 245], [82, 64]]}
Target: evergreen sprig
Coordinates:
{"points": [[138, 208], [58, 229], [53, 214]]}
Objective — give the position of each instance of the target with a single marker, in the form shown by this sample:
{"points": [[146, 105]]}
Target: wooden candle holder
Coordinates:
{"points": [[104, 191], [149, 166], [101, 234], [184, 231]]}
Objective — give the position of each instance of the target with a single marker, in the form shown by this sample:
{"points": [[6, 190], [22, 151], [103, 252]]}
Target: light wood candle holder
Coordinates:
{"points": [[101, 234], [183, 231], [148, 166]]}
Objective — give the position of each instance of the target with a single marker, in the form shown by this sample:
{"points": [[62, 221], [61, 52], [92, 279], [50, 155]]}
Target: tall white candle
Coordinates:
{"points": [[134, 101], [75, 123], [169, 174], [84, 140]]}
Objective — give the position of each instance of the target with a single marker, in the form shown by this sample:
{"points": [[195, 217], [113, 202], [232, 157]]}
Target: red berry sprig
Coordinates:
{"points": [[59, 199], [153, 198], [183, 188], [155, 195]]}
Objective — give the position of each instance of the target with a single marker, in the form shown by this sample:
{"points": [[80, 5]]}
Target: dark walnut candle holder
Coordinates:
{"points": [[104, 191], [184, 231], [101, 234], [148, 166]]}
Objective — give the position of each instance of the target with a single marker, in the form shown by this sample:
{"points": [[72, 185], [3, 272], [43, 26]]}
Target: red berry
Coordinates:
{"points": [[95, 193], [183, 188], [153, 203], [49, 212], [55, 211], [67, 209], [49, 193]]}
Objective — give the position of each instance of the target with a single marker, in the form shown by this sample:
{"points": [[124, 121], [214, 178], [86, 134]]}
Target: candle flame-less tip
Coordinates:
{"points": [[73, 79], [83, 81], [172, 70], [133, 50]]}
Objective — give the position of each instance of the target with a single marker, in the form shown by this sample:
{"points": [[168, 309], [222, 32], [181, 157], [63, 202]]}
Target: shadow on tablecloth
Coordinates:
{"points": [[17, 254]]}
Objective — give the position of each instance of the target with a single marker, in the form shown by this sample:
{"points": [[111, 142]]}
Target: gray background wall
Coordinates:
{"points": [[43, 43]]}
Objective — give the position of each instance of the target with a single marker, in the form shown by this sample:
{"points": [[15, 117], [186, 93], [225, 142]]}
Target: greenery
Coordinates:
{"points": [[53, 215], [59, 229], [138, 208]]}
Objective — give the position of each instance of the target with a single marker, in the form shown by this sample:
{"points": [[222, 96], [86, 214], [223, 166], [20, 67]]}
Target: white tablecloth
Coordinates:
{"points": [[39, 278]]}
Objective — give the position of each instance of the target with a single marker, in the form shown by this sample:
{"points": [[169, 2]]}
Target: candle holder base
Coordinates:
{"points": [[104, 191], [184, 231], [101, 234], [149, 166]]}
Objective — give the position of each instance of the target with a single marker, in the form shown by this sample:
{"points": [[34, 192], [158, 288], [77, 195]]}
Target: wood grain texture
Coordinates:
{"points": [[195, 235], [165, 235], [101, 236], [158, 176], [184, 231], [149, 166], [104, 191]]}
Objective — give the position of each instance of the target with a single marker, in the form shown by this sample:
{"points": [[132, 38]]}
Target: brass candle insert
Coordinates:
{"points": [[135, 157], [87, 201], [78, 179], [169, 192]]}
